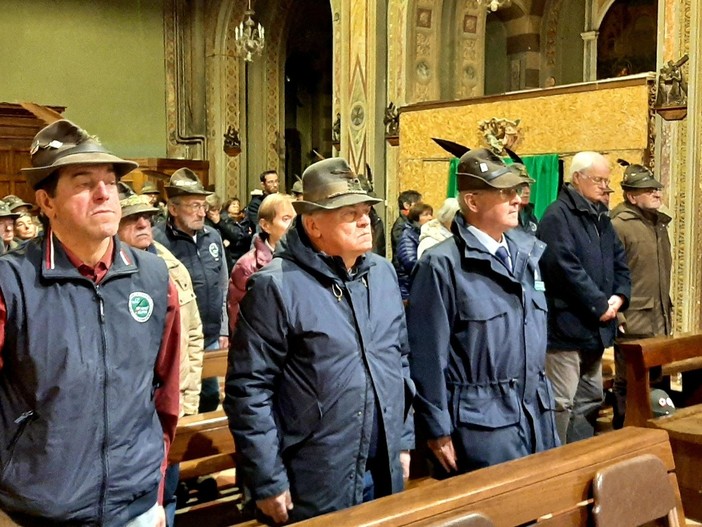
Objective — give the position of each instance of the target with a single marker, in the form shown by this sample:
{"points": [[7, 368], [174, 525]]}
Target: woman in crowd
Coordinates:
{"points": [[236, 237], [419, 214], [274, 217], [439, 228]]}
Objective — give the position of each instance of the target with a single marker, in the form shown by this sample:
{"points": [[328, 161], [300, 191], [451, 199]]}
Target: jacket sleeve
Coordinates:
{"points": [[191, 356], [243, 269], [429, 317], [561, 264], [622, 275], [407, 251], [256, 356], [407, 442], [167, 375], [223, 282]]}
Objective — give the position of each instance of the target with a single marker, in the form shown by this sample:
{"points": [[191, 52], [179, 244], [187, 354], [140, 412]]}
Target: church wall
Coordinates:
{"points": [[101, 59], [609, 117]]}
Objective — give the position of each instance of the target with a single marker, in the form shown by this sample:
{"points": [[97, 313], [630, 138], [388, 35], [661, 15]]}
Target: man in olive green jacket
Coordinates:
{"points": [[643, 230]]}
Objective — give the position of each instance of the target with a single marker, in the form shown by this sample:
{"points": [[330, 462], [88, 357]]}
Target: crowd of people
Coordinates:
{"points": [[482, 339]]}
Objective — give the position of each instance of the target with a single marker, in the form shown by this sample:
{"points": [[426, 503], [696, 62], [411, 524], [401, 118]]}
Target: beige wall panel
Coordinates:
{"points": [[611, 120]]}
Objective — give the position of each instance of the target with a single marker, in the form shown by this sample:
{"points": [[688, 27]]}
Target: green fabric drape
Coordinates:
{"points": [[543, 168]]}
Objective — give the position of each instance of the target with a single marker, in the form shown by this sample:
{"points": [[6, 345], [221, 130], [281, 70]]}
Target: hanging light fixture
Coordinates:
{"points": [[494, 5], [249, 36]]}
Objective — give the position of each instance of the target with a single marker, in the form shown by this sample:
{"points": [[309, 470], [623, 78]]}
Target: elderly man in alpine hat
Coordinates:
{"points": [[318, 385], [199, 247], [477, 328], [89, 337], [642, 228]]}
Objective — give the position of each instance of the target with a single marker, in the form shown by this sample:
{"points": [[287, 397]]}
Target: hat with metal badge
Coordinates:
{"points": [[637, 177], [15, 202], [133, 203], [63, 143], [185, 182], [149, 188], [5, 211], [297, 186], [330, 184], [661, 403], [482, 168]]}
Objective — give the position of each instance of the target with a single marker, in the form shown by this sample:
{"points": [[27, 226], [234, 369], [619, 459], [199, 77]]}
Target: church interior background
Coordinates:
{"points": [[164, 79]]}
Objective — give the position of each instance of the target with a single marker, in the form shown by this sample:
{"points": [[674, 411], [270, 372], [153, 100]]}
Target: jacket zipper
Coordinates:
{"points": [[105, 468], [22, 421]]}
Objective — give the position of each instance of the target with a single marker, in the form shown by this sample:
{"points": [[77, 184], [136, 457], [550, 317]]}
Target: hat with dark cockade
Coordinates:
{"points": [[133, 203], [638, 177], [61, 144], [297, 187], [15, 202], [184, 182], [661, 403], [330, 184], [5, 211], [481, 167], [149, 188]]}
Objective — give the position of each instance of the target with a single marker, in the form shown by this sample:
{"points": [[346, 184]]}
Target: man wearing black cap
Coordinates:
{"points": [[318, 385], [89, 346], [200, 249], [587, 284], [477, 329], [643, 230]]}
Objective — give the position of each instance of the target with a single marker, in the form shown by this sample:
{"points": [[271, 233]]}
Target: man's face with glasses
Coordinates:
{"points": [[495, 211], [593, 182], [188, 213]]}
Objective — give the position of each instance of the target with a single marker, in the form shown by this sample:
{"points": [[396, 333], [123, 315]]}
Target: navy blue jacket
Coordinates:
{"points": [[583, 266], [206, 263], [316, 358], [80, 439], [477, 337], [406, 256]]}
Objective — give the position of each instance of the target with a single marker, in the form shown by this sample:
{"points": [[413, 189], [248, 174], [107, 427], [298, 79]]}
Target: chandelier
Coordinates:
{"points": [[249, 36], [494, 5]]}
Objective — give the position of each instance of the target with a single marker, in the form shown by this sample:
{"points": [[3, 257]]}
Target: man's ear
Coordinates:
{"points": [[470, 201], [310, 224], [45, 202], [171, 209]]}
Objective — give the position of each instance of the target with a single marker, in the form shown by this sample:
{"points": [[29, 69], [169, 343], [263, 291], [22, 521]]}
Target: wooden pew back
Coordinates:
{"points": [[553, 488]]}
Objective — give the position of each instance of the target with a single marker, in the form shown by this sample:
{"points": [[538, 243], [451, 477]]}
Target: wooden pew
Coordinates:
{"points": [[552, 488], [674, 354], [204, 445]]}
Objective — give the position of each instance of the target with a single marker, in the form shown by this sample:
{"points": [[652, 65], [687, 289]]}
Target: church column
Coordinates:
{"points": [[590, 55], [678, 162], [356, 67]]}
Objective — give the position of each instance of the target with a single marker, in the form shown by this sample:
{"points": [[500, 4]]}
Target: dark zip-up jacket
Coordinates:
{"points": [[206, 263], [477, 336], [583, 266], [318, 357], [80, 438]]}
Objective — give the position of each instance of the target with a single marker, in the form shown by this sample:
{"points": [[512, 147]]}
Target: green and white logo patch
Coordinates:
{"points": [[141, 306]]}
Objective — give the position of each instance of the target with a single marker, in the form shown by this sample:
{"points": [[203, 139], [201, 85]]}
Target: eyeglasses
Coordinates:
{"points": [[599, 181], [195, 207], [507, 193]]}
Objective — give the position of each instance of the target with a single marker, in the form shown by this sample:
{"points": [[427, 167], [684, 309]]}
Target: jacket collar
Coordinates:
{"points": [[297, 247], [522, 247], [55, 262], [627, 211], [575, 200]]}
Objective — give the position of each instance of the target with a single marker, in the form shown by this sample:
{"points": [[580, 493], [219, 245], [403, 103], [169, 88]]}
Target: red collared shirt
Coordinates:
{"points": [[167, 367]]}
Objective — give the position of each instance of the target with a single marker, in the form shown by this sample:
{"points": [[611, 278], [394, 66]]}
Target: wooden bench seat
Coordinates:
{"points": [[674, 355], [552, 488]]}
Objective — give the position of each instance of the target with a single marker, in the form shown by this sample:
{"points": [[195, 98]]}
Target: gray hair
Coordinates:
{"points": [[448, 210], [584, 161]]}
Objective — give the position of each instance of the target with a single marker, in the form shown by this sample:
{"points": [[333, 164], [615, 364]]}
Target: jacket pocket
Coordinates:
{"points": [[494, 405], [639, 316], [479, 311], [22, 422], [298, 417], [544, 394]]}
